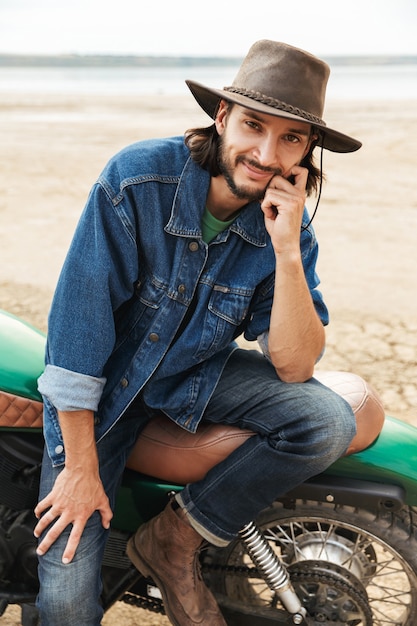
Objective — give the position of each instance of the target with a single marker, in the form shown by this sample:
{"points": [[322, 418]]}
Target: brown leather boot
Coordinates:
{"points": [[167, 549]]}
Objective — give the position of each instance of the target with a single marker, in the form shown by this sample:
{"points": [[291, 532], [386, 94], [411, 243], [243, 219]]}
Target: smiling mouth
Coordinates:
{"points": [[257, 172]]}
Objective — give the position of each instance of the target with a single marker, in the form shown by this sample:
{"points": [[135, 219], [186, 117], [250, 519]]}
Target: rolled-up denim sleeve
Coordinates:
{"points": [[263, 344], [70, 391]]}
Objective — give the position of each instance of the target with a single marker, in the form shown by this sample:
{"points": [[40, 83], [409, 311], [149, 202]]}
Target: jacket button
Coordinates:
{"points": [[193, 246], [124, 382], [181, 288], [59, 449], [154, 337]]}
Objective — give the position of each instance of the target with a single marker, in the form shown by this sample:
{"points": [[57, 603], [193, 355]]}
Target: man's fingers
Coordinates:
{"points": [[72, 543], [300, 175], [296, 177], [106, 515], [51, 536], [44, 521], [77, 531], [42, 506]]}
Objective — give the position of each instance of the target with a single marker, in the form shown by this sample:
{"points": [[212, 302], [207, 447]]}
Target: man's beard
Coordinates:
{"points": [[226, 168]]}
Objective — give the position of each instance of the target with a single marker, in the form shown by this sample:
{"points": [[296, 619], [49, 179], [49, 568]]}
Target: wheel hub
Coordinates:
{"points": [[334, 548]]}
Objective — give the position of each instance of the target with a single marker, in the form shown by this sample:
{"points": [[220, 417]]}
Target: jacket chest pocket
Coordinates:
{"points": [[227, 309]]}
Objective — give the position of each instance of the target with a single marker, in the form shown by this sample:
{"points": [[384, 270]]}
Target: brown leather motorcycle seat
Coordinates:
{"points": [[18, 412], [168, 452]]}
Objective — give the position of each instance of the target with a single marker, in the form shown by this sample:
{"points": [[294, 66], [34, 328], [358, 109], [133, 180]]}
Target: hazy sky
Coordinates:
{"points": [[193, 27]]}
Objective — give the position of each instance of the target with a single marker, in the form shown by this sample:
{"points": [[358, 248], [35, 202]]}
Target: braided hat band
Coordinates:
{"points": [[277, 104]]}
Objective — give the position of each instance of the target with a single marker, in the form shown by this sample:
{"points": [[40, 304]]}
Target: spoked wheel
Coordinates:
{"points": [[348, 566]]}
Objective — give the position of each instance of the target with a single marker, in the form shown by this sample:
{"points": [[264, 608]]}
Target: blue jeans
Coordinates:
{"points": [[69, 594], [300, 430]]}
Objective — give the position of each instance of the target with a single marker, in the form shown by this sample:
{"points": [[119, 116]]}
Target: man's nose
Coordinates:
{"points": [[266, 153]]}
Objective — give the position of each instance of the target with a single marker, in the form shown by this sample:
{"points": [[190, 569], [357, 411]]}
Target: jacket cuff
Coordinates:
{"points": [[70, 391]]}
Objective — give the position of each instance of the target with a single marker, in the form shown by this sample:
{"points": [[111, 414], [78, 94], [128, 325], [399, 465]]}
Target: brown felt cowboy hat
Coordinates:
{"points": [[280, 80]]}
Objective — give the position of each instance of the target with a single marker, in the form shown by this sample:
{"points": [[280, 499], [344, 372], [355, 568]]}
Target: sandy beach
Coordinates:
{"points": [[54, 146]]}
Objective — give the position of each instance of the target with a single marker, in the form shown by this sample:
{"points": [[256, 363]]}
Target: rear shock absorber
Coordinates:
{"points": [[273, 570]]}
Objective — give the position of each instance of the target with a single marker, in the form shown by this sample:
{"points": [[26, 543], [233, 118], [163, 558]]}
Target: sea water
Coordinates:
{"points": [[390, 81]]}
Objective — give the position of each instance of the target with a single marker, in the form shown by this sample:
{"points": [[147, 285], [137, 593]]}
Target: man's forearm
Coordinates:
{"points": [[78, 491], [79, 443], [296, 334]]}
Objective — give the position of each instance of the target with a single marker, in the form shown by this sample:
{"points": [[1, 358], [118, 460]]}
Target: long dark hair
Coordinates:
{"points": [[203, 144]]}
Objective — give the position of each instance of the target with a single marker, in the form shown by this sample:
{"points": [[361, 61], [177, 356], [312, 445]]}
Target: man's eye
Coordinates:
{"points": [[293, 138]]}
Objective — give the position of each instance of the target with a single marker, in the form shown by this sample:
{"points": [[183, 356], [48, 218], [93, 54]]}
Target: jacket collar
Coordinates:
{"points": [[189, 203]]}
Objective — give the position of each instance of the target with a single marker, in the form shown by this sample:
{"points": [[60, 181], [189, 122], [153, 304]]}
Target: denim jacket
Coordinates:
{"points": [[143, 304]]}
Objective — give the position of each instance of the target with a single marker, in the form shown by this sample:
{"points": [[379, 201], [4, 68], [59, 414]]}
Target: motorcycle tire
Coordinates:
{"points": [[349, 566]]}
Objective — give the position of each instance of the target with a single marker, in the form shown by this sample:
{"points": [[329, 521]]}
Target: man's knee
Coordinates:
{"points": [[69, 594], [365, 402], [338, 428]]}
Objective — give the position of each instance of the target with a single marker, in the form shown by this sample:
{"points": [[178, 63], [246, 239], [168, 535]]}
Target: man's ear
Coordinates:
{"points": [[312, 143], [221, 114]]}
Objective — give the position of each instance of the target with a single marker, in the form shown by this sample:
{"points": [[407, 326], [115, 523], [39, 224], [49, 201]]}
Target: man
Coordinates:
{"points": [[182, 247]]}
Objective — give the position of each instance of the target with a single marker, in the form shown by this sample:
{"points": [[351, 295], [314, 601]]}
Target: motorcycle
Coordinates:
{"points": [[339, 549]]}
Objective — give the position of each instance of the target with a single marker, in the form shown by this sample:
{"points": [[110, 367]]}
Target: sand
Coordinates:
{"points": [[54, 146]]}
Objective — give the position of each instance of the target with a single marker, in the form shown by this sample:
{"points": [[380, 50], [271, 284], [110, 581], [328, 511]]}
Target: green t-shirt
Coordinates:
{"points": [[211, 226]]}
